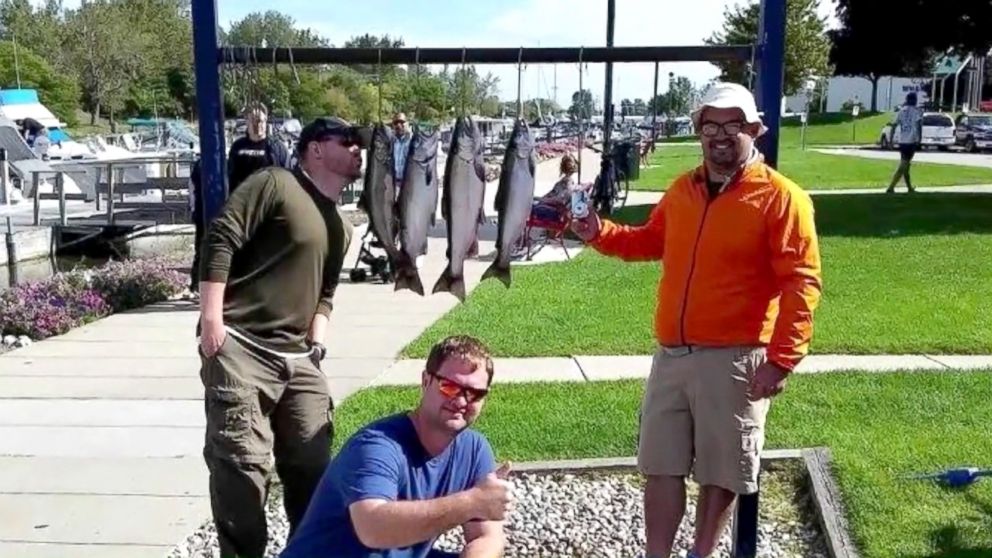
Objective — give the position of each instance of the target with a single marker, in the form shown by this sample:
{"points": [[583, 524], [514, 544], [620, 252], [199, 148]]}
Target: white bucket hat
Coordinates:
{"points": [[730, 95]]}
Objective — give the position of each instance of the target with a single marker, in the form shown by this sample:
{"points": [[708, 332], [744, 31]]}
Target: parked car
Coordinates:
{"points": [[974, 131], [938, 131]]}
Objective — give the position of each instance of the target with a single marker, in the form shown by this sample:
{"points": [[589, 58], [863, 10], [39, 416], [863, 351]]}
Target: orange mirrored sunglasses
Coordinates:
{"points": [[451, 389]]}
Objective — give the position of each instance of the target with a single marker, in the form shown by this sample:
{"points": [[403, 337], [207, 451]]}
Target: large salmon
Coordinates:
{"points": [[461, 202], [379, 191], [418, 203], [514, 198]]}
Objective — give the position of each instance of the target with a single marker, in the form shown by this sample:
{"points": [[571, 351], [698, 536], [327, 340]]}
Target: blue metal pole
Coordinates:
{"points": [[210, 108], [771, 74], [770, 77]]}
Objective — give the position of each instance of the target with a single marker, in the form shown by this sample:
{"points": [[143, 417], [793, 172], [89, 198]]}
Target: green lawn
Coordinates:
{"points": [[835, 129], [878, 426], [902, 274], [815, 171]]}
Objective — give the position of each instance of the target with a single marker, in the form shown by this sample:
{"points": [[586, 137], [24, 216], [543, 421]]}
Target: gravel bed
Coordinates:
{"points": [[596, 514]]}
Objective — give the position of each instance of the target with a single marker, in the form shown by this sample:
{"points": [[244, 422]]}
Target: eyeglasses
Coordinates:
{"points": [[451, 389], [710, 129], [399, 122]]}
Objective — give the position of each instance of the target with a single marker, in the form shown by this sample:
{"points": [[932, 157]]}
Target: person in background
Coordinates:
{"points": [[401, 148], [42, 144], [910, 124], [404, 480], [254, 151], [270, 267], [733, 319]]}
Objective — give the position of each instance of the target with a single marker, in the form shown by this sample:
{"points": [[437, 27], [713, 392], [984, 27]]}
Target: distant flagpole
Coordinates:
{"points": [[17, 67]]}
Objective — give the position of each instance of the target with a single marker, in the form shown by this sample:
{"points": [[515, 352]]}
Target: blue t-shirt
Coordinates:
{"points": [[384, 460]]}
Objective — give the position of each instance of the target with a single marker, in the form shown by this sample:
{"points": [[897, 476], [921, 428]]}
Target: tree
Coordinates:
{"points": [[39, 29], [271, 29], [639, 107], [374, 41], [807, 47], [55, 90], [582, 105], [104, 48], [926, 30]]}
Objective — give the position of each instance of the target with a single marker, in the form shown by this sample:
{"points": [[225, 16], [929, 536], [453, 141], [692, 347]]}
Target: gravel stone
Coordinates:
{"points": [[587, 515]]}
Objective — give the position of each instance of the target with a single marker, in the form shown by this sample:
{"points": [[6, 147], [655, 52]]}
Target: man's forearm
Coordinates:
{"points": [[318, 328], [489, 546], [212, 301], [402, 524]]}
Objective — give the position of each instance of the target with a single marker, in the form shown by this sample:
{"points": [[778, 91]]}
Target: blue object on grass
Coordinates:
{"points": [[956, 478]]}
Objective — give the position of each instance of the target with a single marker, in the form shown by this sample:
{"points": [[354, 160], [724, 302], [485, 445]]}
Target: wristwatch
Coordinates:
{"points": [[320, 348]]}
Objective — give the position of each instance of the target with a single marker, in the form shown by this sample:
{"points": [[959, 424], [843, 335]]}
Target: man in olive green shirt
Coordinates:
{"points": [[270, 265]]}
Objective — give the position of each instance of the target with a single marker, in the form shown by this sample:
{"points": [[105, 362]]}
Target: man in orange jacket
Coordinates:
{"points": [[734, 317]]}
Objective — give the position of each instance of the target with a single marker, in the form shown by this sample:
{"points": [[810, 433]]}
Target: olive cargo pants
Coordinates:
{"points": [[258, 403]]}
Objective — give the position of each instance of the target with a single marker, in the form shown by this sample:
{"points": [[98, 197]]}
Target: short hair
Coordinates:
{"points": [[463, 346], [256, 107], [568, 164]]}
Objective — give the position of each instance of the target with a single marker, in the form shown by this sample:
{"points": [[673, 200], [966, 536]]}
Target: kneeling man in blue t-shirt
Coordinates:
{"points": [[404, 480]]}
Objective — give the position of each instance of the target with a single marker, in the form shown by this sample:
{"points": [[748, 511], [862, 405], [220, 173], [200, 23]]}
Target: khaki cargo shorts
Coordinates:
{"points": [[696, 417]]}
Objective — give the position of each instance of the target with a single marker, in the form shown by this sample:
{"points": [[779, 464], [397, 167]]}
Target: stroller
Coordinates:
{"points": [[377, 265]]}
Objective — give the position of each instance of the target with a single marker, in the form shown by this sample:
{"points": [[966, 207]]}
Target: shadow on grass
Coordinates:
{"points": [[950, 541], [884, 215]]}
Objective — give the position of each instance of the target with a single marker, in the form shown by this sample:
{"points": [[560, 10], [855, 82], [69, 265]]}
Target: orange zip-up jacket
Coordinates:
{"points": [[742, 268]]}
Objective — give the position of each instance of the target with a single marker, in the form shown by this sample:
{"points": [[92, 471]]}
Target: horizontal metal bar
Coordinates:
{"points": [[540, 55]]}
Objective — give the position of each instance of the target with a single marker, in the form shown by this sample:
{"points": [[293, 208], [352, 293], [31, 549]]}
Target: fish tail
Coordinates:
{"points": [[448, 284], [499, 272], [407, 277]]}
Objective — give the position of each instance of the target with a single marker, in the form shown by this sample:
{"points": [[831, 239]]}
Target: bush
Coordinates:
{"points": [[67, 300], [136, 283]]}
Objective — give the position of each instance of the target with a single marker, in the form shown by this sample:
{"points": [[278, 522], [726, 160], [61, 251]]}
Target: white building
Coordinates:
{"points": [[890, 95]]}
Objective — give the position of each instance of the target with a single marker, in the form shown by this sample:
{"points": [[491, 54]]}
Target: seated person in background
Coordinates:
{"points": [[550, 206], [404, 480]]}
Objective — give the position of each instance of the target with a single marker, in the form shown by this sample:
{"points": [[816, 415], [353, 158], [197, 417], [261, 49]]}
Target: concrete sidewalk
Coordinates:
{"points": [[598, 368]]}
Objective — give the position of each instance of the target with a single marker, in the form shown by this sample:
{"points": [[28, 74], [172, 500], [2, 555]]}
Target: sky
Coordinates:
{"points": [[515, 23]]}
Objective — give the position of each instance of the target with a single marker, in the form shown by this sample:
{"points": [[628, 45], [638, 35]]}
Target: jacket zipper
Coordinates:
{"points": [[692, 269]]}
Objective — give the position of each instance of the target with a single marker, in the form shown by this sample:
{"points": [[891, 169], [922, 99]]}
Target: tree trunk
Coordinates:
{"points": [[113, 123], [95, 114]]}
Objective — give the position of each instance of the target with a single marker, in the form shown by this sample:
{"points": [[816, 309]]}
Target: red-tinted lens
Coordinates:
{"points": [[451, 390]]}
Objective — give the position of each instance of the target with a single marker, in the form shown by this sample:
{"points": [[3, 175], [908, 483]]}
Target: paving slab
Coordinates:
{"points": [[124, 348], [507, 370], [342, 388], [14, 364], [100, 442], [68, 387], [139, 476], [100, 412], [964, 362], [597, 368], [98, 519], [874, 363], [50, 550]]}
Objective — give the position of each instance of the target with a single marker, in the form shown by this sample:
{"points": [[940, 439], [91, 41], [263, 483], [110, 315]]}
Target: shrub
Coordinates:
{"points": [[126, 285], [67, 300]]}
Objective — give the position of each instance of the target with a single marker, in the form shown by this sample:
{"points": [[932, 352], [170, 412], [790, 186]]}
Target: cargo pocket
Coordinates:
{"points": [[230, 417]]}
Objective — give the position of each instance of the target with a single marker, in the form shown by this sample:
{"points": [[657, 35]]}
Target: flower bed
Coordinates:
{"points": [[67, 300]]}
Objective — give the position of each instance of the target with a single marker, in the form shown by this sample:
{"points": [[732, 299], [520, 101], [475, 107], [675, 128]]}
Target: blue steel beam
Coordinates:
{"points": [[210, 108], [771, 74]]}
